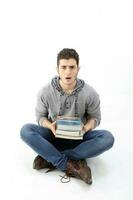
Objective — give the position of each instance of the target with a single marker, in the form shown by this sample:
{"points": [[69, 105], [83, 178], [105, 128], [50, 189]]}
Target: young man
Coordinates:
{"points": [[66, 95]]}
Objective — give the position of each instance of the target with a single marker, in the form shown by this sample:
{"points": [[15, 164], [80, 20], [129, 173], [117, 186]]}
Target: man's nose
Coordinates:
{"points": [[68, 70]]}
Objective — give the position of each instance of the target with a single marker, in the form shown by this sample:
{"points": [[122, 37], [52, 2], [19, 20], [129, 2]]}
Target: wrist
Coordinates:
{"points": [[91, 124], [46, 123], [86, 128]]}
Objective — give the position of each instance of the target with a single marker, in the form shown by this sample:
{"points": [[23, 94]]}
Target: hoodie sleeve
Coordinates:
{"points": [[41, 110], [93, 107]]}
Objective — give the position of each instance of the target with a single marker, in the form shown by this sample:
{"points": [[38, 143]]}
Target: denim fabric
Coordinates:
{"points": [[58, 151]]}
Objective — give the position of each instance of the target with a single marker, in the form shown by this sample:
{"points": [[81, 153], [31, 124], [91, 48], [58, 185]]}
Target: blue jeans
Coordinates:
{"points": [[59, 151]]}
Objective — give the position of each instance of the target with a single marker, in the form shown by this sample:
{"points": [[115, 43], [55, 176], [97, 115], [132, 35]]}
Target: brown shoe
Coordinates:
{"points": [[41, 163], [79, 169]]}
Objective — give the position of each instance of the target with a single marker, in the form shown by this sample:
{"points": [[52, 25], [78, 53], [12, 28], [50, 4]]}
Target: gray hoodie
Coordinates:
{"points": [[83, 102]]}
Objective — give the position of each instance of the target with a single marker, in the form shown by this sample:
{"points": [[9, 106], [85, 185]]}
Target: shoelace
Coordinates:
{"points": [[65, 178]]}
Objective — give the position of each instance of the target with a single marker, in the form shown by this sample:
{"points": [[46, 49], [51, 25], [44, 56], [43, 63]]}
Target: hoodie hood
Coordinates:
{"points": [[79, 85]]}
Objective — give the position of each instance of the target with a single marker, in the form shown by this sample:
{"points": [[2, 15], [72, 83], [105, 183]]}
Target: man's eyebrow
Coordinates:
{"points": [[63, 66], [68, 65]]}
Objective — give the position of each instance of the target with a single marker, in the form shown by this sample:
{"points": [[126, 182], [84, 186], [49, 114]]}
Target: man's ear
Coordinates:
{"points": [[78, 68]]}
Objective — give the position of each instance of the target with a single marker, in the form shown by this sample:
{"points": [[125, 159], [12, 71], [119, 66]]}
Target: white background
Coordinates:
{"points": [[31, 35]]}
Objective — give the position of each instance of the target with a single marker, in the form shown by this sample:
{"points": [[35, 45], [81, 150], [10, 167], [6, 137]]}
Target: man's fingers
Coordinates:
{"points": [[54, 124]]}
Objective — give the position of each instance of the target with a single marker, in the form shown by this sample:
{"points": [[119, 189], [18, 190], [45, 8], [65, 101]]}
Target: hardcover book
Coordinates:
{"points": [[69, 128]]}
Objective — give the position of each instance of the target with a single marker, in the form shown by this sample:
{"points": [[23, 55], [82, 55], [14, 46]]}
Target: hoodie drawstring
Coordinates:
{"points": [[76, 104]]}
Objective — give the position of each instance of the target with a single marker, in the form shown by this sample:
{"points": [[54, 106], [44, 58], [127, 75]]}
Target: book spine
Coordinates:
{"points": [[69, 133], [69, 128], [69, 137], [69, 123]]}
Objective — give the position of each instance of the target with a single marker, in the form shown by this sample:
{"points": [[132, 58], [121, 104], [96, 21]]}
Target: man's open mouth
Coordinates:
{"points": [[68, 78]]}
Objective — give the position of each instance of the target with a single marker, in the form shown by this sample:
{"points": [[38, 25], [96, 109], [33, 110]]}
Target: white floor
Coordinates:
{"points": [[112, 171]]}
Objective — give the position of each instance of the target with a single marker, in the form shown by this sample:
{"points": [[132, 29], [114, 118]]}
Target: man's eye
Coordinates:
{"points": [[72, 67], [63, 67]]}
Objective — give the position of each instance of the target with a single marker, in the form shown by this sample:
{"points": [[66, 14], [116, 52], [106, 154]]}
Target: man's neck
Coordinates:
{"points": [[68, 88]]}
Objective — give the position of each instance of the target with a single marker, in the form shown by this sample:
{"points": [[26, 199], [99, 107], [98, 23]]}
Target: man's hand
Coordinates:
{"points": [[84, 129], [89, 125], [52, 127]]}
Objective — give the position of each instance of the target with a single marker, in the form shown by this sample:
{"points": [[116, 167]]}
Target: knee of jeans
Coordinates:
{"points": [[24, 132], [109, 138]]}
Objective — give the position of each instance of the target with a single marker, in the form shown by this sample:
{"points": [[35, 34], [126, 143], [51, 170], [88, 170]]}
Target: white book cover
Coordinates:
{"points": [[69, 137], [69, 133]]}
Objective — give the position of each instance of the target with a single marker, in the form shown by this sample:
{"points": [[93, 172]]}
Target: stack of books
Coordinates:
{"points": [[69, 128]]}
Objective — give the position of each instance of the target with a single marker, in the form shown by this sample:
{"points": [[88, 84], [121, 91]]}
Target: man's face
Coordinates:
{"points": [[68, 70]]}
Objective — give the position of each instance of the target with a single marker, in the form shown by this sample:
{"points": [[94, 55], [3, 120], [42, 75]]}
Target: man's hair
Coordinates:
{"points": [[67, 53]]}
